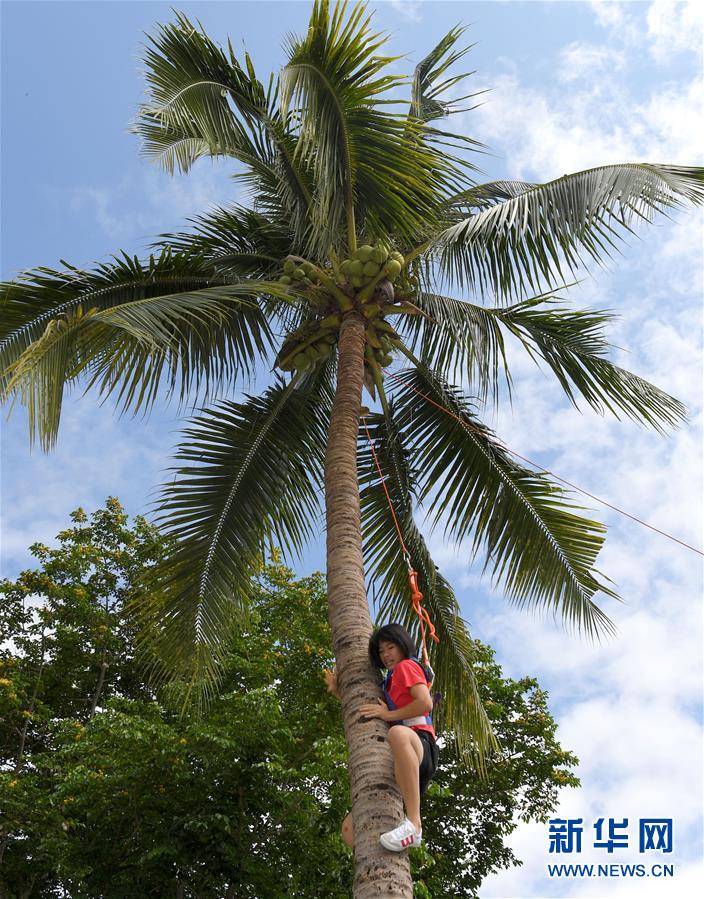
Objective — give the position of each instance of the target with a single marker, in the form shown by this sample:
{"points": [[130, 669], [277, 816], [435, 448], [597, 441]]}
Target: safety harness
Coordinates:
{"points": [[419, 719]]}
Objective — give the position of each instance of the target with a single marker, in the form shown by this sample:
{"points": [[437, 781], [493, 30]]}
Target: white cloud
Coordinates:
{"points": [[610, 14], [581, 59], [408, 9], [543, 136], [674, 27], [163, 201], [665, 28]]}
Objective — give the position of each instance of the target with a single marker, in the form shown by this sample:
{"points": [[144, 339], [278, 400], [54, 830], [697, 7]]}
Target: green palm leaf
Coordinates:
{"points": [[459, 339], [203, 102], [465, 339], [535, 544], [237, 241], [527, 236], [249, 472], [427, 90], [572, 343], [370, 164], [124, 329], [461, 710]]}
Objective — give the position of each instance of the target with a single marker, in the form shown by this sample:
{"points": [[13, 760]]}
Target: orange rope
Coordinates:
{"points": [[416, 595]]}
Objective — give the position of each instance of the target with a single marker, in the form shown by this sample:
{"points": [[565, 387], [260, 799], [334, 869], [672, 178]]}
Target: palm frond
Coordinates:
{"points": [[572, 343], [536, 546], [237, 241], [370, 164], [523, 239], [427, 90], [202, 101], [461, 710], [129, 327], [249, 472], [459, 339]]}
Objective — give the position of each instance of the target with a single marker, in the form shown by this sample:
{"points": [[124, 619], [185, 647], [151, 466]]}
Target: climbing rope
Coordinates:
{"points": [[416, 595]]}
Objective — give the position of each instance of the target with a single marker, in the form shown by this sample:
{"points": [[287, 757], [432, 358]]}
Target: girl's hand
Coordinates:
{"points": [[331, 681], [380, 710]]}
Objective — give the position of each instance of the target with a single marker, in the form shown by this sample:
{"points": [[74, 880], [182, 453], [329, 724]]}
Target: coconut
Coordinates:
{"points": [[386, 359], [285, 279], [300, 360], [289, 267], [298, 274], [371, 269], [383, 252], [364, 253], [356, 269], [357, 281], [393, 268]]}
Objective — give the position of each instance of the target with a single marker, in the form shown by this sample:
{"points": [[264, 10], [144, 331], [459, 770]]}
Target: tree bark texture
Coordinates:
{"points": [[376, 801]]}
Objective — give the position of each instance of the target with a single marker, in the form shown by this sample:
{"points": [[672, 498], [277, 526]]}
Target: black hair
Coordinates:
{"points": [[391, 633]]}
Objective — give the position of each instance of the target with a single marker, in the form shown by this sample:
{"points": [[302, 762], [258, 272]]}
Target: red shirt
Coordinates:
{"points": [[404, 676]]}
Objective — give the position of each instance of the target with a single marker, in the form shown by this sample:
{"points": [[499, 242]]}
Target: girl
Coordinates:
{"points": [[406, 706]]}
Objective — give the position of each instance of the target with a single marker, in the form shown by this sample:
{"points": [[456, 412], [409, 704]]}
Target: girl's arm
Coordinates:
{"points": [[422, 704]]}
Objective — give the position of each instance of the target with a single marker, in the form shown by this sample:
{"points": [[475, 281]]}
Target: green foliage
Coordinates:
{"points": [[135, 799]]}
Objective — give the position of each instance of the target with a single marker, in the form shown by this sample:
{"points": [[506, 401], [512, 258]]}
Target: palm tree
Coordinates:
{"points": [[363, 212]]}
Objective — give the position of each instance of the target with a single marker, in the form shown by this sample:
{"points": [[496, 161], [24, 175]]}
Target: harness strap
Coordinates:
{"points": [[419, 719]]}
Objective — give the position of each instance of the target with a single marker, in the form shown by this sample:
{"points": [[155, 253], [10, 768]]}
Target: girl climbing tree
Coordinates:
{"points": [[407, 706], [362, 213]]}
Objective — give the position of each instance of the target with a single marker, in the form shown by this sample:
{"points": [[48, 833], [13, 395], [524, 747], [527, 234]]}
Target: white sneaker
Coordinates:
{"points": [[401, 837]]}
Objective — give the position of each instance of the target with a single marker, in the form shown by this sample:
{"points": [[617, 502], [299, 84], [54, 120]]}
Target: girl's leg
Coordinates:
{"points": [[347, 830], [408, 754]]}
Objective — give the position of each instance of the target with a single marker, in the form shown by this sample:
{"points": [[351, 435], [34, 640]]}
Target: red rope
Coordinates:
{"points": [[416, 595]]}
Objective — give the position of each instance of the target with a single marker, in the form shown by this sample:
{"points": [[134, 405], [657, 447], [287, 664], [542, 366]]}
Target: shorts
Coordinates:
{"points": [[431, 756]]}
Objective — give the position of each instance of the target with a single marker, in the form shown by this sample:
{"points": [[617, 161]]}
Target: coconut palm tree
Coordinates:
{"points": [[363, 213]]}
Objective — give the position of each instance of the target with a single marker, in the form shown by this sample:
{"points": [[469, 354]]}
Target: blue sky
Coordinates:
{"points": [[572, 85]]}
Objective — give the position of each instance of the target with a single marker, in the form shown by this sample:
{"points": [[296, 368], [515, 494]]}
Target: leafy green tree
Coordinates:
{"points": [[126, 797], [363, 212]]}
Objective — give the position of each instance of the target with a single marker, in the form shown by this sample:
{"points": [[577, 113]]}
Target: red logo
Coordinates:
{"points": [[406, 841]]}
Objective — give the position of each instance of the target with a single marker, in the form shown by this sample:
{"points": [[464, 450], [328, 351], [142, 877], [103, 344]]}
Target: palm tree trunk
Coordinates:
{"points": [[376, 803]]}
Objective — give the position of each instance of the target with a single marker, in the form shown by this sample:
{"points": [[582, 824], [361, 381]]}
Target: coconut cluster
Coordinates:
{"points": [[366, 263], [301, 274], [314, 340]]}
